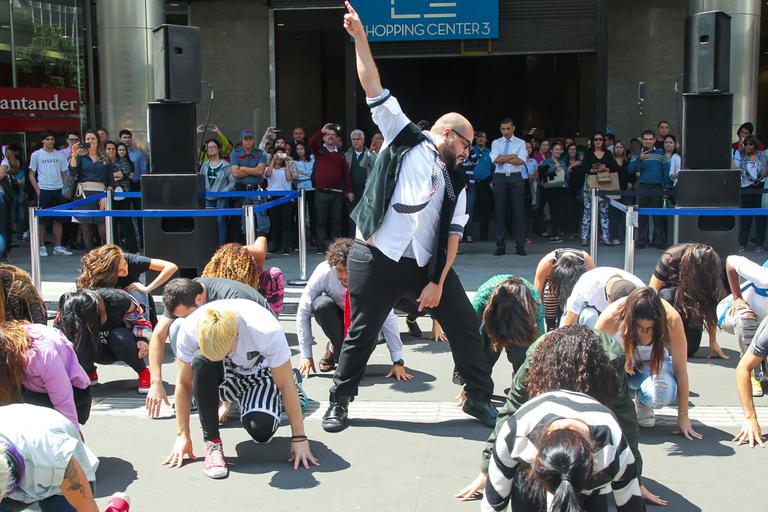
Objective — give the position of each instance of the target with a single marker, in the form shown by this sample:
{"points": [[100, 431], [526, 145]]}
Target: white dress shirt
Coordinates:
{"points": [[418, 193], [324, 281], [516, 147]]}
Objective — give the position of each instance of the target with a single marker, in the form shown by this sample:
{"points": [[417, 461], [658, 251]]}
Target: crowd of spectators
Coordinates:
{"points": [[533, 187]]}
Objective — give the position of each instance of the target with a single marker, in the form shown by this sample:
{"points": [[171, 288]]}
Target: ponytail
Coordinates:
{"points": [[562, 467]]}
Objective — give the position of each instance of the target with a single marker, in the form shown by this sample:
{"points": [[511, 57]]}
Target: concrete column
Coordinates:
{"points": [[125, 63], [745, 52]]}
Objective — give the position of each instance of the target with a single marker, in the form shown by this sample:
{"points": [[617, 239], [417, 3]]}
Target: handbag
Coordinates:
{"points": [[593, 181], [70, 186], [556, 180]]}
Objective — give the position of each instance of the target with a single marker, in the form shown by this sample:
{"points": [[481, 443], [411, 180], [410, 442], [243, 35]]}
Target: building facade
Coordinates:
{"points": [[557, 68]]}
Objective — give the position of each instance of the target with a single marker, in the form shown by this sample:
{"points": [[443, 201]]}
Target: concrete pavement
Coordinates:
{"points": [[409, 447]]}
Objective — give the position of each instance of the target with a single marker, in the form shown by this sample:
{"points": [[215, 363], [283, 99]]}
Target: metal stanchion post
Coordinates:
{"points": [[676, 229], [250, 224], [594, 223], [629, 243], [302, 242], [109, 224], [34, 247]]}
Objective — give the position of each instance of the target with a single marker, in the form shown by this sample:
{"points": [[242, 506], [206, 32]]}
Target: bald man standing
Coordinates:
{"points": [[409, 223]]}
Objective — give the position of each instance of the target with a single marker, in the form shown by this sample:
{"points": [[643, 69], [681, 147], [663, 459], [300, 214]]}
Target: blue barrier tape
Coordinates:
{"points": [[217, 195], [79, 202], [210, 212], [252, 193], [703, 212], [140, 213], [634, 193]]}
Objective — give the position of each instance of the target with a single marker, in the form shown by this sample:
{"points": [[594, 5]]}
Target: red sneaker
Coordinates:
{"points": [[94, 376], [144, 381], [119, 502], [215, 466]]}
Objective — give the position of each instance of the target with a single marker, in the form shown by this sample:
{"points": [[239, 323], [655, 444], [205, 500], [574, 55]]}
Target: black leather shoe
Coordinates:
{"points": [[483, 411], [413, 328], [500, 251], [520, 250], [335, 418]]}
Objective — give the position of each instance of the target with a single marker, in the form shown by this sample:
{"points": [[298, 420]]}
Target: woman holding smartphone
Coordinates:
{"points": [[279, 177]]}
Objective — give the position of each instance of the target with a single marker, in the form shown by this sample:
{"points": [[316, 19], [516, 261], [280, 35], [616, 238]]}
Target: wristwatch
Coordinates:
{"points": [[399, 362]]}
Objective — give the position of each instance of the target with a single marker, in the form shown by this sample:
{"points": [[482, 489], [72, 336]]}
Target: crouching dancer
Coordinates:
{"points": [[235, 350]]}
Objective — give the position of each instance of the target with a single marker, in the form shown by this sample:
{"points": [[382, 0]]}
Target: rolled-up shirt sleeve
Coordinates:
{"points": [[460, 216], [391, 334], [387, 114]]}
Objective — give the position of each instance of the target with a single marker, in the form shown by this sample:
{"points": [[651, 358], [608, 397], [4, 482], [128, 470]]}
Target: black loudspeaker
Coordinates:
{"points": [[176, 59], [707, 53], [706, 140], [189, 242], [173, 146], [710, 189]]}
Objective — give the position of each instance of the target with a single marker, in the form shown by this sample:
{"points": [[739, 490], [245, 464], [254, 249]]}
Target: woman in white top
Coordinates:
{"points": [[653, 338], [279, 177], [673, 157], [752, 164], [304, 166]]}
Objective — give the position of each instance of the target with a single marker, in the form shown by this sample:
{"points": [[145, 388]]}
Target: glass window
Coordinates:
{"points": [[49, 44], [6, 74]]}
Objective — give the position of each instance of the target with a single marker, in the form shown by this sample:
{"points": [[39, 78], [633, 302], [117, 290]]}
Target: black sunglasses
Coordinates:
{"points": [[469, 142], [597, 139]]}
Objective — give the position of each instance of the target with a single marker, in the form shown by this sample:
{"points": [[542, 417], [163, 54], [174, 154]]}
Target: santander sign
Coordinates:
{"points": [[39, 101]]}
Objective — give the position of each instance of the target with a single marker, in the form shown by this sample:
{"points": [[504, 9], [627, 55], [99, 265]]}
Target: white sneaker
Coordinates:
{"points": [[61, 251], [645, 415], [25, 235], [43, 252]]}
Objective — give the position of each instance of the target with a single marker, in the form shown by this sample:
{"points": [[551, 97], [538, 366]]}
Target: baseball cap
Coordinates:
{"points": [[246, 133]]}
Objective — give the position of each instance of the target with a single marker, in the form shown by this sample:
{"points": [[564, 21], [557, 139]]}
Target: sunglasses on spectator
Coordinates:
{"points": [[749, 143], [598, 139]]}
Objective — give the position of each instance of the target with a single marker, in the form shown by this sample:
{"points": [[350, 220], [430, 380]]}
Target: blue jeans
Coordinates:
{"points": [[469, 229], [221, 222], [655, 391]]}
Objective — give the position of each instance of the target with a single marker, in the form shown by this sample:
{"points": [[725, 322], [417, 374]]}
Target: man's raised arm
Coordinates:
{"points": [[366, 67]]}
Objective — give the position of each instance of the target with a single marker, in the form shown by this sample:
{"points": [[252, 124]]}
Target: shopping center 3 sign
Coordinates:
{"points": [[413, 20]]}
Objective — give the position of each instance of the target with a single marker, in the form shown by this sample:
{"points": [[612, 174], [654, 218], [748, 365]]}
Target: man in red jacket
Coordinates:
{"points": [[332, 181]]}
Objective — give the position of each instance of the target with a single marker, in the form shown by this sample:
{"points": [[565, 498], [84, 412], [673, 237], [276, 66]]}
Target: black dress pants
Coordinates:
{"points": [[645, 200], [509, 192], [330, 318], [328, 208], [376, 283], [745, 223]]}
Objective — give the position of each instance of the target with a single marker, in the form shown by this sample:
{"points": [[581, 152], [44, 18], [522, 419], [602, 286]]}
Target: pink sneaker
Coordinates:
{"points": [[119, 502], [215, 466]]}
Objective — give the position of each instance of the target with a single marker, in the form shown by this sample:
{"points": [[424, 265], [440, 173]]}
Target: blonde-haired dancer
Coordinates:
{"points": [[235, 350]]}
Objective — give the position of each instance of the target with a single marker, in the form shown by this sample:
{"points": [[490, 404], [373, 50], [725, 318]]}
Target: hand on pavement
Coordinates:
{"points": [[474, 490], [307, 364], [750, 433], [301, 455], [399, 372], [181, 448], [651, 498], [155, 398]]}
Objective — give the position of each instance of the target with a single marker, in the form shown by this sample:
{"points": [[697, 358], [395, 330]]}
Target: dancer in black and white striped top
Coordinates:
{"points": [[577, 455]]}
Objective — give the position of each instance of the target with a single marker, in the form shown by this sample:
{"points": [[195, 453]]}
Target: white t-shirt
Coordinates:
{"points": [[261, 342], [47, 441], [410, 224], [590, 288], [277, 181], [48, 168]]}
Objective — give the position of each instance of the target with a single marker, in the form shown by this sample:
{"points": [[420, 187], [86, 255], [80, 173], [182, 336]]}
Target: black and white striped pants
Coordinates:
{"points": [[258, 396]]}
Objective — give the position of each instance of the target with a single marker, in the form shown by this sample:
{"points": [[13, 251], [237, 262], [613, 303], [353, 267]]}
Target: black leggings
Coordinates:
{"points": [[120, 346], [82, 401], [206, 377]]}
